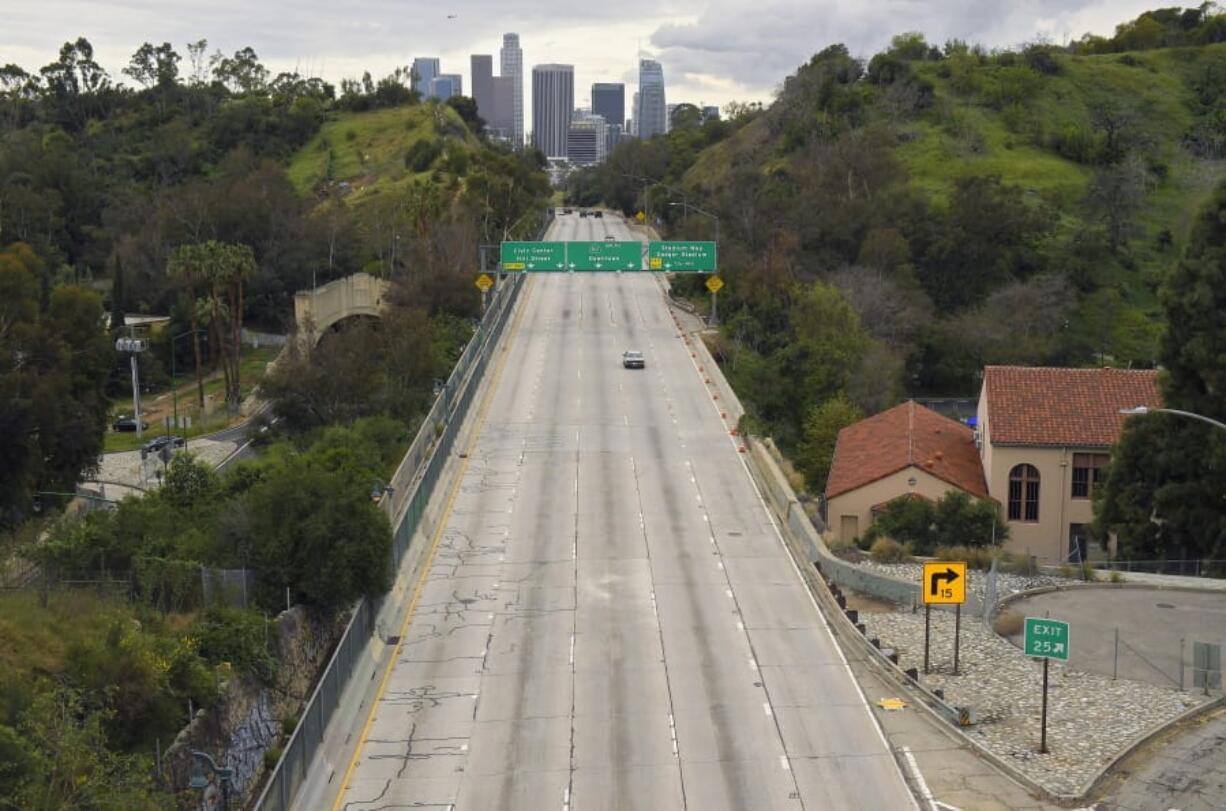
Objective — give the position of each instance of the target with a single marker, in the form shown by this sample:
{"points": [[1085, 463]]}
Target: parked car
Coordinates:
{"points": [[633, 359], [582, 213], [598, 214], [568, 211], [127, 423], [158, 442], [610, 238]]}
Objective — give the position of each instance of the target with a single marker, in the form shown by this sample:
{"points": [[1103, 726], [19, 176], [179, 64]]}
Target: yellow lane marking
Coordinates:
{"points": [[486, 401]]}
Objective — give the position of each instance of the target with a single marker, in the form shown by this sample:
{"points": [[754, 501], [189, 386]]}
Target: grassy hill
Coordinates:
{"points": [[374, 151], [1041, 132]]}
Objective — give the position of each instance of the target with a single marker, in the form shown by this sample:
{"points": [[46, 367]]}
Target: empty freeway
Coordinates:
{"points": [[610, 619]]}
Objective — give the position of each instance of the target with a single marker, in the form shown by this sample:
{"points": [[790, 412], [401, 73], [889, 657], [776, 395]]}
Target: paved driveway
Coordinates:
{"points": [[1185, 771]]}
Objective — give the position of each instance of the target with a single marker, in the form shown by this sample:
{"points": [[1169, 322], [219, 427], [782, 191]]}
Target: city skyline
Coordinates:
{"points": [[713, 52]]}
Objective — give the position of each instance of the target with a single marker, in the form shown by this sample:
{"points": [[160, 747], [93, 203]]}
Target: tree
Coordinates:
{"points": [[955, 519], [1164, 492], [466, 107], [821, 431]]}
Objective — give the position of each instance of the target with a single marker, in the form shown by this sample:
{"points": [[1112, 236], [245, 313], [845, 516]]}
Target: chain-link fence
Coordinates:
{"points": [[1182, 567], [232, 587], [411, 489]]}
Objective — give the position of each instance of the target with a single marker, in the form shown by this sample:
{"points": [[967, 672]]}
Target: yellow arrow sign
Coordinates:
{"points": [[484, 282], [944, 583], [715, 284], [640, 216]]}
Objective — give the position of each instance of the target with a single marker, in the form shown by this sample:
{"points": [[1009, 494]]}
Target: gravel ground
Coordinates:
{"points": [[125, 467], [1090, 717], [1006, 584]]}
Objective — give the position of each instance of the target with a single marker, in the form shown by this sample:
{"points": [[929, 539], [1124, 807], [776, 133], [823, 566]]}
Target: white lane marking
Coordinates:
{"points": [[729, 593], [720, 564], [565, 798], [766, 708], [920, 783], [740, 626], [753, 664], [672, 731], [783, 761], [787, 553], [572, 649]]}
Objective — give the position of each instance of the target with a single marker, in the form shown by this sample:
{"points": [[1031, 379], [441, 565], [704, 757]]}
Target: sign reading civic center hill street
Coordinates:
{"points": [[944, 583], [681, 257], [1047, 639], [533, 256], [604, 255]]}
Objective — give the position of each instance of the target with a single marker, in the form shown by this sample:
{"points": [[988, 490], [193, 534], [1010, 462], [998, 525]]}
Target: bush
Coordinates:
{"points": [[1008, 623], [238, 637], [976, 557], [886, 550], [1116, 576], [422, 154], [1013, 563]]}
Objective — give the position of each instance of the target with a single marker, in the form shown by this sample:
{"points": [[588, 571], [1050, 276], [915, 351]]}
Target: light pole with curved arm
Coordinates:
{"points": [[1142, 410]]}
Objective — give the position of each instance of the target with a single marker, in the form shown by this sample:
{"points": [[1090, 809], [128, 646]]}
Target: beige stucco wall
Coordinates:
{"points": [[1047, 538], [860, 502]]}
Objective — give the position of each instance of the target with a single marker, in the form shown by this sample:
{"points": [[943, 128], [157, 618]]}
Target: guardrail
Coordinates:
{"points": [[412, 486]]}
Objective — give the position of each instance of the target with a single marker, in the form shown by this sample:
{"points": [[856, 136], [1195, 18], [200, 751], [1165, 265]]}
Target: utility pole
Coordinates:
{"points": [[133, 346]]}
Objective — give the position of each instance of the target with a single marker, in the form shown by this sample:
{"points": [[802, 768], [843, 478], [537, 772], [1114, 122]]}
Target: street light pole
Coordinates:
{"points": [[1142, 410], [174, 380]]}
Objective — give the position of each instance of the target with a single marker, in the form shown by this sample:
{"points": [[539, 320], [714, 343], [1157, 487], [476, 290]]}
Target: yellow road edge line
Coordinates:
{"points": [[486, 402]]}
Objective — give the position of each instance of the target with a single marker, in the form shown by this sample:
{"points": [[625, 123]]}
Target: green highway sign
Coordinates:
{"points": [[680, 257], [1047, 639], [605, 255], [533, 256]]}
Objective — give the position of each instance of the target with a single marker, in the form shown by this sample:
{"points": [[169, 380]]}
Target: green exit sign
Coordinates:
{"points": [[533, 256], [1047, 639], [681, 257], [606, 255]]}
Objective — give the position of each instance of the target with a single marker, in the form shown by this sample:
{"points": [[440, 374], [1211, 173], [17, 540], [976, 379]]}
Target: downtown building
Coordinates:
{"points": [[495, 97], [587, 139], [651, 109], [446, 85], [511, 59], [609, 102], [553, 102], [425, 70]]}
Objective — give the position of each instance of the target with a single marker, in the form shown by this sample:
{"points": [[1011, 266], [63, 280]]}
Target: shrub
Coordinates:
{"points": [[422, 154], [271, 756], [1013, 563], [238, 637], [1068, 571], [886, 550], [1116, 576], [1008, 623], [976, 557]]}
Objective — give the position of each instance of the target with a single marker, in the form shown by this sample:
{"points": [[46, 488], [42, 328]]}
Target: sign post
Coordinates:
{"points": [[714, 284], [1046, 639], [944, 583], [484, 283]]}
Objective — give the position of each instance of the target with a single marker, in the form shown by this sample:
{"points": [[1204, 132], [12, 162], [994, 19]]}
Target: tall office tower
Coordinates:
{"points": [[425, 68], [500, 122], [482, 66], [553, 101], [650, 112], [669, 109], [632, 124], [609, 101], [512, 59], [587, 138]]}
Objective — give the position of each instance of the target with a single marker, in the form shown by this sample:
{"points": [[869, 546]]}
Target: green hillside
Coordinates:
{"points": [[372, 151]]}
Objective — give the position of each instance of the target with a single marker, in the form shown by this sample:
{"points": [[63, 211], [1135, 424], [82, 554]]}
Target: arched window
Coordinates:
{"points": [[1024, 493]]}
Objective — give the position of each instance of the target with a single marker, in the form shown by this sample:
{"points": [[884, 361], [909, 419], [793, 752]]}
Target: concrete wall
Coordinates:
{"points": [[860, 502], [315, 311]]}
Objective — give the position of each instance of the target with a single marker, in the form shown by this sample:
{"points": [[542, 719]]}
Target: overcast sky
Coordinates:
{"points": [[713, 52]]}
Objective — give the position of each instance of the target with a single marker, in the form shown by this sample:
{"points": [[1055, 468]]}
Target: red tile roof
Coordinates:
{"points": [[1063, 407], [904, 436]]}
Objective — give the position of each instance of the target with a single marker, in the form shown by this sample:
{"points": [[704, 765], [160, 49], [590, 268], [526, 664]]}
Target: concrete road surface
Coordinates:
{"points": [[611, 621]]}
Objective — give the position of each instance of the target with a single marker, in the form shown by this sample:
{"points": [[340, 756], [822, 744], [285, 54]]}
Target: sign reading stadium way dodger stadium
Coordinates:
{"points": [[668, 257]]}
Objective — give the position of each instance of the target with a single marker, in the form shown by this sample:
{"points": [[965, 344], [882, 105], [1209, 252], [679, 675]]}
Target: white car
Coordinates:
{"points": [[633, 359]]}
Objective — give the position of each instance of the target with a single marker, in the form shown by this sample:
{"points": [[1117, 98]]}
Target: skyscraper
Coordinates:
{"points": [[446, 85], [500, 122], [587, 139], [553, 102], [512, 59], [650, 112], [609, 101], [482, 67], [425, 68]]}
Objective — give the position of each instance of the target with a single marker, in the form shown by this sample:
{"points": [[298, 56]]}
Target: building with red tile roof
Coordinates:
{"points": [[1045, 436], [908, 450]]}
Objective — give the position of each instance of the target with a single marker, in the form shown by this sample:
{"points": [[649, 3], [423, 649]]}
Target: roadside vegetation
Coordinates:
{"points": [[206, 189]]}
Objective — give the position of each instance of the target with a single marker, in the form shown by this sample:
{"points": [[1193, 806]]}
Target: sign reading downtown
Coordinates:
{"points": [[669, 257]]}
